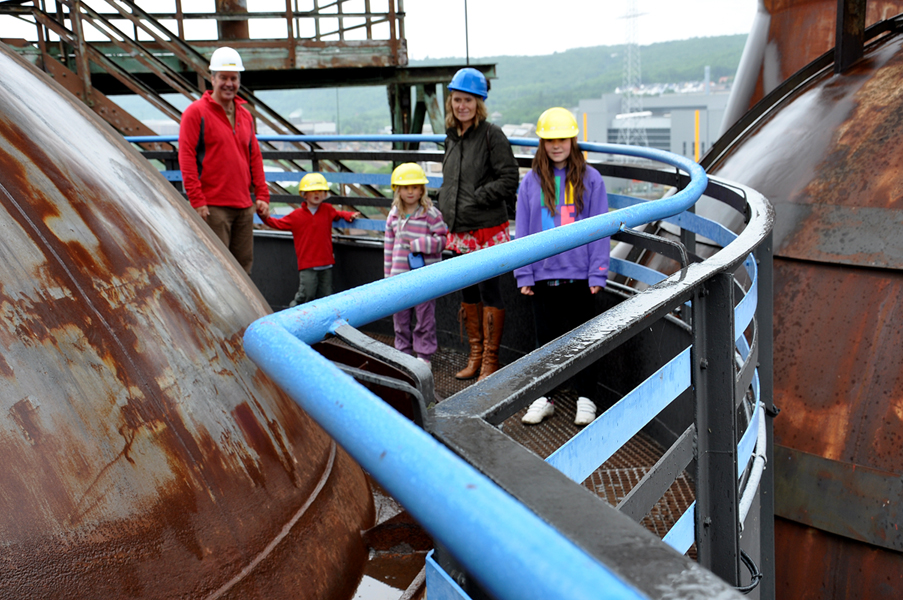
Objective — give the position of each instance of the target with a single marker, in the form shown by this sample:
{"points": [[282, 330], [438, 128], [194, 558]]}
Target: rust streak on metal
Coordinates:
{"points": [[837, 190]]}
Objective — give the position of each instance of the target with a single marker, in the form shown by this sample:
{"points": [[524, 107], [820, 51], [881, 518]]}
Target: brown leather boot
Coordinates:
{"points": [[493, 323], [471, 315]]}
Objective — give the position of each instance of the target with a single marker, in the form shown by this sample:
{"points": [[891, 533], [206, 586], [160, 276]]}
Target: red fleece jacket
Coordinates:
{"points": [[220, 164]]}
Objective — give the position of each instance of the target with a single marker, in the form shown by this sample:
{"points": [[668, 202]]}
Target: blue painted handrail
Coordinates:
{"points": [[384, 179], [431, 482], [287, 333], [408, 138], [383, 298]]}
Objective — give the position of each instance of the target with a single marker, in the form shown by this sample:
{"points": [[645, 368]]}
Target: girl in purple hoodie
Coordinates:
{"points": [[558, 190]]}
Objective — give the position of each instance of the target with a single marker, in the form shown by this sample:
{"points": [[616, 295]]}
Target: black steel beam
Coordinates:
{"points": [[688, 238], [673, 250], [286, 79], [599, 529], [717, 512], [850, 37], [510, 389], [417, 370]]}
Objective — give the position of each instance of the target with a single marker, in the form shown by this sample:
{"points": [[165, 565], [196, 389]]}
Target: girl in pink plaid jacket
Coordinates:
{"points": [[415, 236]]}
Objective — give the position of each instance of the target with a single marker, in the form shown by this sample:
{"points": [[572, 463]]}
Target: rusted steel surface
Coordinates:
{"points": [[814, 565], [233, 29], [143, 454], [826, 159], [799, 31], [838, 344], [105, 108]]}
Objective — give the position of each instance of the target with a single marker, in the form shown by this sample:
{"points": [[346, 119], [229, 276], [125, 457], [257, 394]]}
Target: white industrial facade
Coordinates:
{"points": [[670, 122]]}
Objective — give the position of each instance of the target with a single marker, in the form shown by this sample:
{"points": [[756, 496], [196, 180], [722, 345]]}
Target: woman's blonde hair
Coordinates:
{"points": [[425, 201], [451, 120]]}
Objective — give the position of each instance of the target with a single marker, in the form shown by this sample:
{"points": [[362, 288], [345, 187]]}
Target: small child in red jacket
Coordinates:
{"points": [[311, 227]]}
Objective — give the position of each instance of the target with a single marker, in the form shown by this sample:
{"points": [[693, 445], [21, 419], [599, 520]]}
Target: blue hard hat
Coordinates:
{"points": [[470, 81]]}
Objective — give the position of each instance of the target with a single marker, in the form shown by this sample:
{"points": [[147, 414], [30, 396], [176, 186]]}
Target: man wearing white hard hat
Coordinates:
{"points": [[220, 159]]}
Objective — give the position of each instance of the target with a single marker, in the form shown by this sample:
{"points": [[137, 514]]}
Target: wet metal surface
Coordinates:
{"points": [[398, 548], [827, 158], [837, 362], [143, 454], [823, 160], [814, 565]]}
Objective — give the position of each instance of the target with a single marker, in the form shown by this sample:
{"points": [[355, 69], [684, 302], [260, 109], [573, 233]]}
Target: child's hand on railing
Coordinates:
{"points": [[354, 215]]}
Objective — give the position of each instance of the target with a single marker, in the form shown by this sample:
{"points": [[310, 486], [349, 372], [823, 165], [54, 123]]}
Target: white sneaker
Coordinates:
{"points": [[539, 410], [586, 411]]}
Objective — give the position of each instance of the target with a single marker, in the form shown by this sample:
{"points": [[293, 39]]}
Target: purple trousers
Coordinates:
{"points": [[418, 339]]}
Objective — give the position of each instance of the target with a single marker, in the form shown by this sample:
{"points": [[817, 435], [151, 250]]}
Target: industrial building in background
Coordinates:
{"points": [[685, 121]]}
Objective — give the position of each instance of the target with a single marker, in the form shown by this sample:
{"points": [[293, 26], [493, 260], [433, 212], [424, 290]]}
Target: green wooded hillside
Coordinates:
{"points": [[527, 85]]}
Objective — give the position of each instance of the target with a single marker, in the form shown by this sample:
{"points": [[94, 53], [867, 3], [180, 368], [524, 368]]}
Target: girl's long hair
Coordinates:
{"points": [[425, 201], [480, 114], [575, 169]]}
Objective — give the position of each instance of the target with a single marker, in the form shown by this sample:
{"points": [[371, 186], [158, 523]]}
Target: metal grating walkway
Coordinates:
{"points": [[612, 481]]}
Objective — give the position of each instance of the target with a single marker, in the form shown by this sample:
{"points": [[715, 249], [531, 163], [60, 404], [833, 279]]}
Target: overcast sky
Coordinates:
{"points": [[435, 28]]}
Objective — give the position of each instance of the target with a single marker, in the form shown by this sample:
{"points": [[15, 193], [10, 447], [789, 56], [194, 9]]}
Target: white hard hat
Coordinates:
{"points": [[225, 59]]}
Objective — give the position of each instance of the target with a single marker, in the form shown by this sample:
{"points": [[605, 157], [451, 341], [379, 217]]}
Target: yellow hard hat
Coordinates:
{"points": [[556, 124], [313, 182], [408, 174]]}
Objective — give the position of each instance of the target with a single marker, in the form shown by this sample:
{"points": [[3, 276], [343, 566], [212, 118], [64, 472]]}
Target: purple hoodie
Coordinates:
{"points": [[585, 262]]}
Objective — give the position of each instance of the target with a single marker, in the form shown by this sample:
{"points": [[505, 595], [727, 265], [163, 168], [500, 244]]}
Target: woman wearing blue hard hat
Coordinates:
{"points": [[479, 182]]}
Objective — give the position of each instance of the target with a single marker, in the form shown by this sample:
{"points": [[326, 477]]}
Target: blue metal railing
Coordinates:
{"points": [[386, 297], [436, 486], [452, 500]]}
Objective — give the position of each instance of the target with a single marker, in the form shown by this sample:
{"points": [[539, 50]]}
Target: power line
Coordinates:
{"points": [[632, 130]]}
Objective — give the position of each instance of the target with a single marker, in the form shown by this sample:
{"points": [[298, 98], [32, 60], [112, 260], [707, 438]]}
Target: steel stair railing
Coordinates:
{"points": [[183, 51]]}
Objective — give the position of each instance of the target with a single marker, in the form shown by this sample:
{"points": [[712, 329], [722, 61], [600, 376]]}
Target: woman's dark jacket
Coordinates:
{"points": [[479, 178]]}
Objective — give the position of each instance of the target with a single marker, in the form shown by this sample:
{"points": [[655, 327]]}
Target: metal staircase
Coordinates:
{"points": [[123, 47]]}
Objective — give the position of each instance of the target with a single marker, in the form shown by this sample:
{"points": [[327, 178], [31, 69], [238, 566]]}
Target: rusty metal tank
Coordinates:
{"points": [[829, 155], [143, 455], [785, 37]]}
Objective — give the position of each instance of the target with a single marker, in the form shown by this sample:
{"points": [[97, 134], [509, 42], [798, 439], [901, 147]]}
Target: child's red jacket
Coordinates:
{"points": [[312, 233]]}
